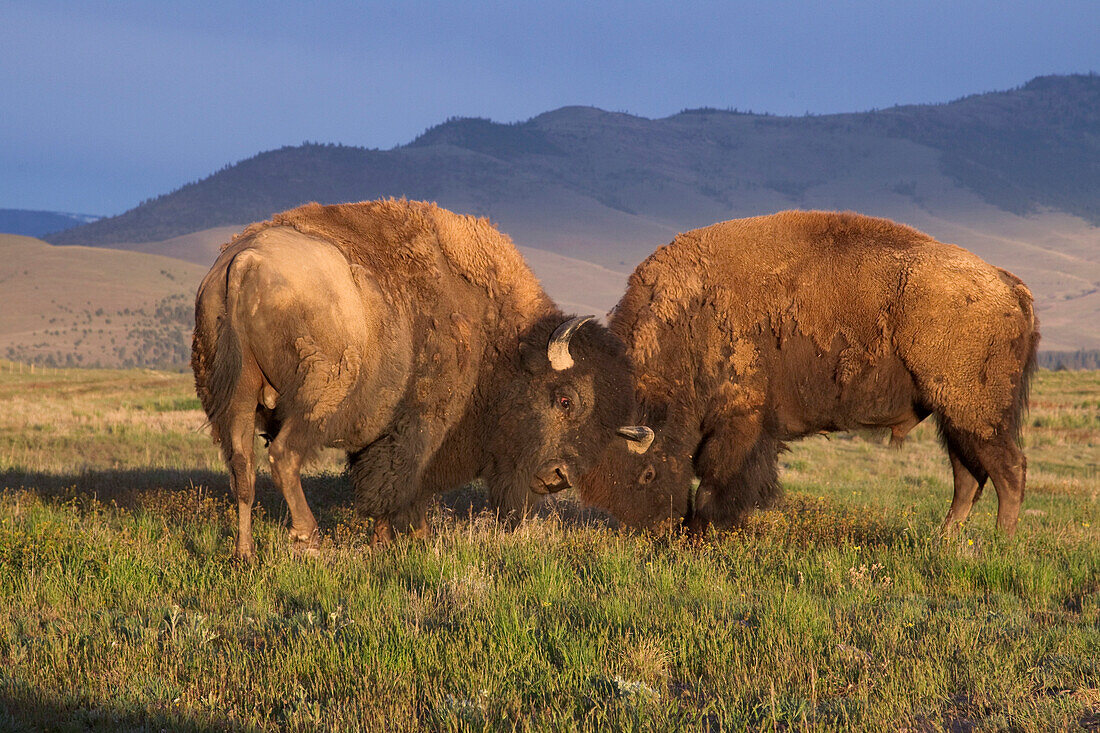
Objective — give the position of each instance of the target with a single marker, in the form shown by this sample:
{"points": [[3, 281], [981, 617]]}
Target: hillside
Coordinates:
{"points": [[1013, 176], [87, 306], [93, 306], [32, 223]]}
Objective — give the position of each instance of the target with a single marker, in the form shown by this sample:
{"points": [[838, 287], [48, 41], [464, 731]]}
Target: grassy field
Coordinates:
{"points": [[120, 607]]}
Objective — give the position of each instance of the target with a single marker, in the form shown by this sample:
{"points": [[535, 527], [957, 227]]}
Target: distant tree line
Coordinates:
{"points": [[1071, 360], [160, 340]]}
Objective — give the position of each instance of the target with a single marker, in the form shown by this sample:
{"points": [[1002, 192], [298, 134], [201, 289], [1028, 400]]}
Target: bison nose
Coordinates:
{"points": [[552, 477]]}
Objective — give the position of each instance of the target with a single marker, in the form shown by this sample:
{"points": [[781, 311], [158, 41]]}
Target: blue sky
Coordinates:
{"points": [[103, 104]]}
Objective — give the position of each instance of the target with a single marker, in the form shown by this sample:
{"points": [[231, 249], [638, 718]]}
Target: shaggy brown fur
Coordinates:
{"points": [[411, 337], [756, 331]]}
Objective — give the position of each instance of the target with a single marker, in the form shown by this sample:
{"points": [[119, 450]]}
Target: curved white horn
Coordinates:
{"points": [[638, 437], [557, 350]]}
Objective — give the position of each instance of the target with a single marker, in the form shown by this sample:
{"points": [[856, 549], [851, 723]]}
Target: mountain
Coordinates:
{"points": [[89, 306], [36, 223], [1032, 148], [1013, 176]]}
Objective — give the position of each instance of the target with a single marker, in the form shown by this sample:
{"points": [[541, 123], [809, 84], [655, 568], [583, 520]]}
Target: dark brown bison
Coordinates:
{"points": [[757, 331], [416, 340]]}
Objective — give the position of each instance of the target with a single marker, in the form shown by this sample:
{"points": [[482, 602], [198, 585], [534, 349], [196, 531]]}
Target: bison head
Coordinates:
{"points": [[644, 478], [562, 400]]}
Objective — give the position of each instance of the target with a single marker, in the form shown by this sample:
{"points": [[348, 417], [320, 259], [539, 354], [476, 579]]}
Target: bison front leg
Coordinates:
{"points": [[383, 532], [411, 521], [968, 480], [738, 471], [386, 477], [515, 506]]}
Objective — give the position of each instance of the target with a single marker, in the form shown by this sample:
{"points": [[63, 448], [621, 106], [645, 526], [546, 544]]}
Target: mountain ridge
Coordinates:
{"points": [[985, 141]]}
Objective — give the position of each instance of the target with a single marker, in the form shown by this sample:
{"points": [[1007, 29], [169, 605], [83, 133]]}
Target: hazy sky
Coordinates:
{"points": [[103, 104]]}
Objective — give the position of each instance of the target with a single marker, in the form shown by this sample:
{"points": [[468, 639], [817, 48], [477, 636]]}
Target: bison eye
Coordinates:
{"points": [[565, 403], [647, 475]]}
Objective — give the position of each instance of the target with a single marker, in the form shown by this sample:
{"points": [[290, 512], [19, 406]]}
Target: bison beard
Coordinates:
{"points": [[757, 331], [414, 339]]}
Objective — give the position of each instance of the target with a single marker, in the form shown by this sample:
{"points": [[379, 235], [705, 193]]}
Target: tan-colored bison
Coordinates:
{"points": [[753, 332], [416, 340]]}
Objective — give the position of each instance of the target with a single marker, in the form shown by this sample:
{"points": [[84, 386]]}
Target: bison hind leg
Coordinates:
{"points": [[998, 458], [326, 378], [236, 428], [1007, 466], [969, 479], [290, 448]]}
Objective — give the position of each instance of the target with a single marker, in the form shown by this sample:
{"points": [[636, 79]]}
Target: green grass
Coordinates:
{"points": [[840, 610]]}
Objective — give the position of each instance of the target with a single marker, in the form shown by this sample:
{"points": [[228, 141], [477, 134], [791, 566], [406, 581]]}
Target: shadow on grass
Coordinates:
{"points": [[203, 495], [195, 494], [25, 709]]}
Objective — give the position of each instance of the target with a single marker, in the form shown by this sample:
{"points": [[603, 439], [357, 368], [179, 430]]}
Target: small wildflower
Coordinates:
{"points": [[629, 688], [970, 542]]}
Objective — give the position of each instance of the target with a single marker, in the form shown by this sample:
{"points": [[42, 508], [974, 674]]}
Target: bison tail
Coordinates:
{"points": [[1029, 356], [225, 372], [217, 348]]}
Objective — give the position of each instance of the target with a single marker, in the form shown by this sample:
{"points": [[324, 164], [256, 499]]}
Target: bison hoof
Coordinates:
{"points": [[305, 535], [306, 543], [305, 549], [697, 526], [244, 554], [383, 532]]}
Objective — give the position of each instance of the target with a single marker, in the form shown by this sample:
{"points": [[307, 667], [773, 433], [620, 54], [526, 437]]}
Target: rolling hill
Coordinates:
{"points": [[91, 306], [1013, 176], [95, 306]]}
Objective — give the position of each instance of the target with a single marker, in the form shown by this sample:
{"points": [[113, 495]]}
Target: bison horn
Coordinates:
{"points": [[558, 348], [638, 437]]}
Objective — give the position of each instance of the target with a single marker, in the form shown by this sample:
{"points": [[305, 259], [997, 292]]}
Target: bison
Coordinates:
{"points": [[752, 332], [412, 338]]}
